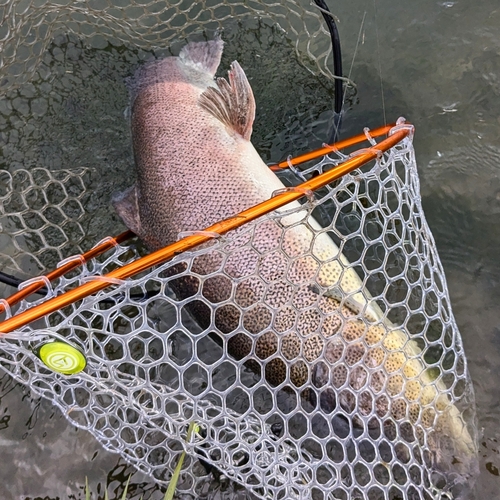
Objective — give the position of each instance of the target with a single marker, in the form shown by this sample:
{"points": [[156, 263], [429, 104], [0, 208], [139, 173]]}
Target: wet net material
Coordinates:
{"points": [[296, 395], [28, 26]]}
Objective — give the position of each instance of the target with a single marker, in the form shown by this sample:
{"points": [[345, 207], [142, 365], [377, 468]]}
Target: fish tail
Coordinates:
{"points": [[203, 56]]}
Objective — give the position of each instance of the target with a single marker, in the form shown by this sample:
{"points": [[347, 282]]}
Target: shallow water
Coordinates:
{"points": [[436, 63]]}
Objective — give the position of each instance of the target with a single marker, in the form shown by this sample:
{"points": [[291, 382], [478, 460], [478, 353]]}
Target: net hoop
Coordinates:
{"points": [[396, 134]]}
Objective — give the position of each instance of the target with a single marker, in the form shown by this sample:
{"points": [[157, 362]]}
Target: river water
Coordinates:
{"points": [[435, 63]]}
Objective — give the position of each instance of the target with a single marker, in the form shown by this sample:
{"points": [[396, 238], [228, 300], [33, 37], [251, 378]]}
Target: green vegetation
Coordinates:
{"points": [[169, 495]]}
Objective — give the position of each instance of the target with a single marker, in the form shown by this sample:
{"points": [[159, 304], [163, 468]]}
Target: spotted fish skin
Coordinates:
{"points": [[196, 166], [189, 171]]}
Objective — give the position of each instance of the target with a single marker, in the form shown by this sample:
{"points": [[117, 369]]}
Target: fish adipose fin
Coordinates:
{"points": [[127, 207], [232, 103], [203, 56]]}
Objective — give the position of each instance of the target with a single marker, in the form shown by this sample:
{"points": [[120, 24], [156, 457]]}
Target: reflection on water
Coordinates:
{"points": [[438, 65]]}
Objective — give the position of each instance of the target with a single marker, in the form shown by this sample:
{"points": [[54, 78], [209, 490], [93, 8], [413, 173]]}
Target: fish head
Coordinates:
{"points": [[453, 444]]}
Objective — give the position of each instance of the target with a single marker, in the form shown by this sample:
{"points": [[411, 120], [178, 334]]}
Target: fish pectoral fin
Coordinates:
{"points": [[232, 103], [333, 292], [203, 56], [357, 303], [127, 206]]}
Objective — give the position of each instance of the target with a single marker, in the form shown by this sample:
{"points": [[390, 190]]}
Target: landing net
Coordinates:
{"points": [[394, 417], [29, 26]]}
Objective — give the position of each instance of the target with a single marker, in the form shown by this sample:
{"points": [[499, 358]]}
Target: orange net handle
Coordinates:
{"points": [[189, 242], [317, 153], [99, 249]]}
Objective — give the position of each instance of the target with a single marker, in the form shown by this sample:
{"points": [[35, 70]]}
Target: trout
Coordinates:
{"points": [[308, 318]]}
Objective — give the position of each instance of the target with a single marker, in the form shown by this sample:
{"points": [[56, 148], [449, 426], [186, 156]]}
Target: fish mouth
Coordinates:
{"points": [[455, 455]]}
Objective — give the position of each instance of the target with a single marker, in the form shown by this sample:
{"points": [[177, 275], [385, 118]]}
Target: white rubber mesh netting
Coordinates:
{"points": [[368, 401]]}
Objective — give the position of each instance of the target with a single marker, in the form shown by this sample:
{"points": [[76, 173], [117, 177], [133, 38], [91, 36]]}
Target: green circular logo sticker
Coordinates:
{"points": [[62, 358]]}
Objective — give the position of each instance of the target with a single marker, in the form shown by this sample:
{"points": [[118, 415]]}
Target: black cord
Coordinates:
{"points": [[10, 280], [337, 69]]}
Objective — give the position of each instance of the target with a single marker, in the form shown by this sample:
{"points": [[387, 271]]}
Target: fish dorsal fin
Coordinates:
{"points": [[232, 103], [203, 56]]}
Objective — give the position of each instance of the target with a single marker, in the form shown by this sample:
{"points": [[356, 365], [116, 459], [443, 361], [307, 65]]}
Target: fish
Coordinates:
{"points": [[289, 301]]}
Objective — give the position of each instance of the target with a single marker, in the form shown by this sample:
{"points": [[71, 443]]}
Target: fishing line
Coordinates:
{"points": [[334, 134], [355, 52], [379, 61]]}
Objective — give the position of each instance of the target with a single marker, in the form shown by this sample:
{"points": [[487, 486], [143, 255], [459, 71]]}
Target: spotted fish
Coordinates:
{"points": [[304, 310]]}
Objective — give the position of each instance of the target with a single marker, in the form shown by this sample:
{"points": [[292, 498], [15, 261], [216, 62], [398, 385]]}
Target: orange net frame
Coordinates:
{"points": [[356, 160]]}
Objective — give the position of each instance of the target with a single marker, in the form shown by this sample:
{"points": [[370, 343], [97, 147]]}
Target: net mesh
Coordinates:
{"points": [[392, 418], [371, 399], [29, 26], [41, 217]]}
